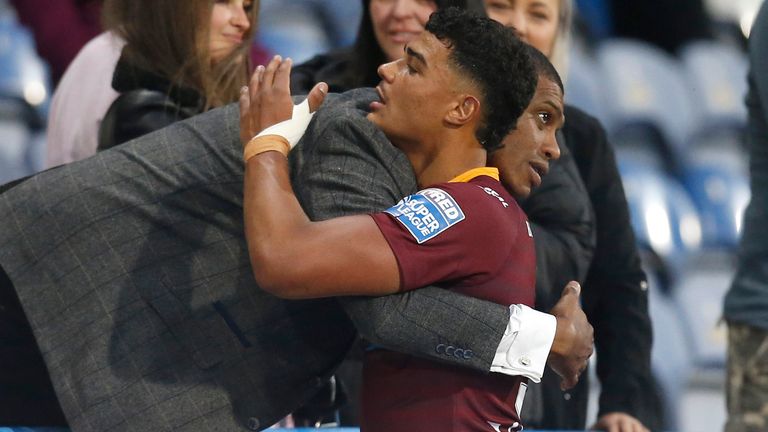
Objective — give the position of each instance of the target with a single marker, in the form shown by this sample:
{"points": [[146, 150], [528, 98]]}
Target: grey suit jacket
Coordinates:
{"points": [[133, 271]]}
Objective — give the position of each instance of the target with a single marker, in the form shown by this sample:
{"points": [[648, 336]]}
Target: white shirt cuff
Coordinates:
{"points": [[526, 343]]}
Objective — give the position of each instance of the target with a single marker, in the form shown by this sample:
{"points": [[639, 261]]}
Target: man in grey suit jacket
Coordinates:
{"points": [[133, 272]]}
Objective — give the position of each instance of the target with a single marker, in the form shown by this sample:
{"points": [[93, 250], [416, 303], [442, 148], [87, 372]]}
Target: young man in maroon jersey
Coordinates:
{"points": [[444, 105]]}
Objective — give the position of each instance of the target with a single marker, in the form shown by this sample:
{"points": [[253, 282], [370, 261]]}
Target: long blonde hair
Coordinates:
{"points": [[170, 38], [562, 44]]}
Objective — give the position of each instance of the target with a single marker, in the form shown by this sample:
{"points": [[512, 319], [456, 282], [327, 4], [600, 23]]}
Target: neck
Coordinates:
{"points": [[441, 161]]}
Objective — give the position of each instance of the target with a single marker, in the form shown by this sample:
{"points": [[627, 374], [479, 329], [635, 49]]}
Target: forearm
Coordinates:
{"points": [[294, 257], [273, 218]]}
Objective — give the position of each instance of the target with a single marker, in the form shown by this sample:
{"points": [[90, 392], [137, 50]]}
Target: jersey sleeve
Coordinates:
{"points": [[442, 234]]}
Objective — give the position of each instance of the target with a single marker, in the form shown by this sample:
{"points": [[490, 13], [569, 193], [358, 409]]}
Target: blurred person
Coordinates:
{"points": [[80, 101], [61, 28], [84, 95], [385, 27], [615, 288], [442, 66], [746, 303], [181, 57]]}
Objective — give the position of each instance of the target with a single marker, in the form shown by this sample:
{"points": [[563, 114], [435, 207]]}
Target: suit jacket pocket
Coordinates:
{"points": [[188, 326]]}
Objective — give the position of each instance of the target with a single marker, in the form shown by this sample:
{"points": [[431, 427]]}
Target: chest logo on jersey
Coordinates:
{"points": [[427, 213]]}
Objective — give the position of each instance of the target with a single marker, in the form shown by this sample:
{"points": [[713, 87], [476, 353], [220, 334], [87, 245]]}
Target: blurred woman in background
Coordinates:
{"points": [[181, 57], [385, 28]]}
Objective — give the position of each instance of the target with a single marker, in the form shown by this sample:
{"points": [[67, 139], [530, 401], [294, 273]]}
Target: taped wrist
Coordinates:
{"points": [[264, 143], [292, 129]]}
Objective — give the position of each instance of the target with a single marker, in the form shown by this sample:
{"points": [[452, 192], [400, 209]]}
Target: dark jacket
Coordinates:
{"points": [[747, 300], [614, 295], [147, 102]]}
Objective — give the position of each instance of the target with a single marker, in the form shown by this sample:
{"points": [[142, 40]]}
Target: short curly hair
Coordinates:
{"points": [[493, 58]]}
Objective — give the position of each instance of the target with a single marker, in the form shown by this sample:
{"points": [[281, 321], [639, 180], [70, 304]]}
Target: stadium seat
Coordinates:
{"points": [[582, 87], [597, 15], [301, 29], [717, 180], [649, 102], [664, 219], [670, 356], [23, 75], [699, 295], [14, 145], [716, 75]]}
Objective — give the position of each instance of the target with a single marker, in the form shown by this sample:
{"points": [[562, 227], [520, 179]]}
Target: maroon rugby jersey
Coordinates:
{"points": [[470, 236]]}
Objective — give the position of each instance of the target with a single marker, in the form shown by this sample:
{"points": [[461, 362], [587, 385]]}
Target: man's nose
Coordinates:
{"points": [[387, 71], [551, 148]]}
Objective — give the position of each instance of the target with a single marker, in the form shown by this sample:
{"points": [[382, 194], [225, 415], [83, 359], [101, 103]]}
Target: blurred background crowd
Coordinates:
{"points": [[667, 79]]}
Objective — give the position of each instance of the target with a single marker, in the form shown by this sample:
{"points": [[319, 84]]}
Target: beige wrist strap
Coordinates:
{"points": [[265, 143]]}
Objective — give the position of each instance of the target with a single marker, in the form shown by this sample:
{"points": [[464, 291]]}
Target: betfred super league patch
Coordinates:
{"points": [[427, 213]]}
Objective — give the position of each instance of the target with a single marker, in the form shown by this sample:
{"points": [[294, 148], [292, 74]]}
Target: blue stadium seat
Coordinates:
{"points": [[717, 180], [716, 75], [670, 356], [301, 29], [582, 87], [597, 15], [14, 145], [699, 295], [649, 102], [23, 75], [24, 96], [664, 219]]}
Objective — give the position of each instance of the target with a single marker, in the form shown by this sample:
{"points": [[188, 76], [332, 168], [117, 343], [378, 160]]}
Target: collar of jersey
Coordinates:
{"points": [[476, 172]]}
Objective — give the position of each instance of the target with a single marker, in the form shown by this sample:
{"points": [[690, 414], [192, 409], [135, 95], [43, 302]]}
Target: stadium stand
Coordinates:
{"points": [[24, 94]]}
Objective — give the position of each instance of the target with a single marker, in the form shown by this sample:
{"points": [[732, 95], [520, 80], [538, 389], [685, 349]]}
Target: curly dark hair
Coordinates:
{"points": [[495, 60], [543, 67]]}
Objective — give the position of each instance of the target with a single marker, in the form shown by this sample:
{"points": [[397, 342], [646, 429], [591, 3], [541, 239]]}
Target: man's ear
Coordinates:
{"points": [[466, 108]]}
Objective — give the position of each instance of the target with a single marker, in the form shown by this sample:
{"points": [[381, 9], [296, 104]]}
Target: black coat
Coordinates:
{"points": [[147, 102], [614, 295]]}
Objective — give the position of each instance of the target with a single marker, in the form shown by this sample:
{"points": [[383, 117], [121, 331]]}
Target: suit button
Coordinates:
{"points": [[525, 361], [254, 423]]}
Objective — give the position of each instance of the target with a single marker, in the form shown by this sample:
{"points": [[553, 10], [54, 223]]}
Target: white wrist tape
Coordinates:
{"points": [[294, 128]]}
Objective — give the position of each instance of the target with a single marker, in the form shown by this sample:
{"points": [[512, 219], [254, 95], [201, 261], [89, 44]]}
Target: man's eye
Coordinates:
{"points": [[411, 70], [545, 117]]}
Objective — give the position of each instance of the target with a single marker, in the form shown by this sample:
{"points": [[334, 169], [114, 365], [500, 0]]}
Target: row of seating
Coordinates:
{"points": [[24, 98]]}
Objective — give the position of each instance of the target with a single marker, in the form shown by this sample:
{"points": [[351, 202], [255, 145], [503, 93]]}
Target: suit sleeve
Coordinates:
{"points": [[615, 295], [370, 176], [564, 229]]}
